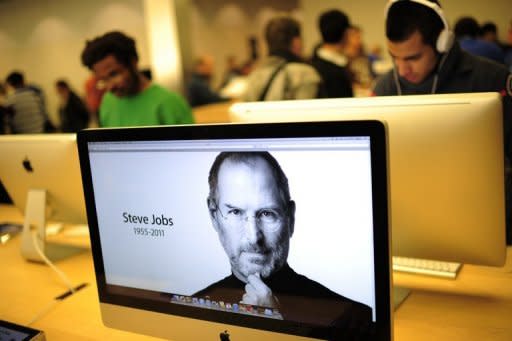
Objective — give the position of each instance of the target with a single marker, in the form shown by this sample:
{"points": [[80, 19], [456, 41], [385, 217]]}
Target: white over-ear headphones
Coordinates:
{"points": [[446, 37]]}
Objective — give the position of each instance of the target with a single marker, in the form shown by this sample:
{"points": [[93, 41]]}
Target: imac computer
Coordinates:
{"points": [[41, 174], [446, 168], [241, 232]]}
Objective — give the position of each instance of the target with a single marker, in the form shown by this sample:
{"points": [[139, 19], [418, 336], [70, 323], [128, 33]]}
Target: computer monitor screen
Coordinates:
{"points": [[445, 163], [258, 231], [41, 174]]}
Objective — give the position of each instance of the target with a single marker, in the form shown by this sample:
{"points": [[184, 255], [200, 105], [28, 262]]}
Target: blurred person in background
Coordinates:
{"points": [[73, 113], [231, 72], [489, 32], [467, 32], [359, 62], [199, 90], [328, 58], [283, 74], [508, 53], [93, 95], [24, 107], [3, 109]]}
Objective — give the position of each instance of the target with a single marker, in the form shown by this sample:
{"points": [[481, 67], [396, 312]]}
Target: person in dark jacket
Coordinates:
{"points": [[73, 112], [199, 90], [467, 31], [328, 58]]}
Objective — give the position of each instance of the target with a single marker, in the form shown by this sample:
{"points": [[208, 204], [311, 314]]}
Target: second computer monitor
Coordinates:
{"points": [[446, 167], [41, 173]]}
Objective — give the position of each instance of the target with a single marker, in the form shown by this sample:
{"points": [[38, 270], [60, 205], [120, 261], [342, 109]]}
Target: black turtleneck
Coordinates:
{"points": [[300, 299]]}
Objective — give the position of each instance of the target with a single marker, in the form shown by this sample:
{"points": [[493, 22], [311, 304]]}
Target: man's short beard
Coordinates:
{"points": [[134, 86], [279, 260]]}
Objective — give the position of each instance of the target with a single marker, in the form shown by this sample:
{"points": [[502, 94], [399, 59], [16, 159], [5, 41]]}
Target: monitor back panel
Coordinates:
{"points": [[44, 161]]}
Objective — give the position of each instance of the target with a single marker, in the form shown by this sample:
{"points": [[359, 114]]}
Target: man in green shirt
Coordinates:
{"points": [[131, 99]]}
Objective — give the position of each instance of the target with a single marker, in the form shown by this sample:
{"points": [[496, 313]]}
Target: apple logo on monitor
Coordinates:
{"points": [[224, 336], [27, 165]]}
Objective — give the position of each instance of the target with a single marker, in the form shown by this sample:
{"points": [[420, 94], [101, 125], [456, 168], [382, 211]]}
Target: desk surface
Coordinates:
{"points": [[476, 306]]}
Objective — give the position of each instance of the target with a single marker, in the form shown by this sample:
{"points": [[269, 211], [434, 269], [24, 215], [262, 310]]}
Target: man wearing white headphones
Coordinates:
{"points": [[428, 60], [426, 57]]}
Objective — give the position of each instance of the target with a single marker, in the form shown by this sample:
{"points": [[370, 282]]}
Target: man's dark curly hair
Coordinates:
{"points": [[113, 43]]}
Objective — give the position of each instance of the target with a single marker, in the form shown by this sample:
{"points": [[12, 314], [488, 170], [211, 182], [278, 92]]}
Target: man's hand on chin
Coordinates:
{"points": [[258, 293]]}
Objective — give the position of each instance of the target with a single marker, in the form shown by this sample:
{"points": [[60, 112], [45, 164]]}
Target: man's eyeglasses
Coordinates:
{"points": [[114, 76], [266, 217]]}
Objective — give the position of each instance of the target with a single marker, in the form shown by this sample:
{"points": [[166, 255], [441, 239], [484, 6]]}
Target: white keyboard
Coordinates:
{"points": [[426, 267]]}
